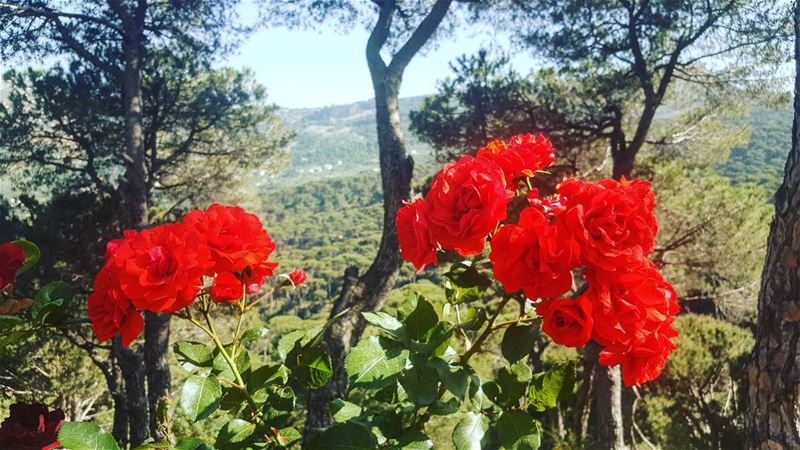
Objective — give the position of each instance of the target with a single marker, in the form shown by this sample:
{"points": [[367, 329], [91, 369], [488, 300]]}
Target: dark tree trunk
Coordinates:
{"points": [[156, 357], [601, 424], [368, 292], [773, 419], [115, 384], [133, 373]]}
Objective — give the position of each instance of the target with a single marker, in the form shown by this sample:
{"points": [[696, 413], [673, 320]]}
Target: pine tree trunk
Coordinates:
{"points": [[156, 357], [133, 373], [773, 419], [368, 292], [605, 427]]}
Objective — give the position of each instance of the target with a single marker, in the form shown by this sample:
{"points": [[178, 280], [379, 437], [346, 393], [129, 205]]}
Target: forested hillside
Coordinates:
{"points": [[340, 140], [761, 160]]}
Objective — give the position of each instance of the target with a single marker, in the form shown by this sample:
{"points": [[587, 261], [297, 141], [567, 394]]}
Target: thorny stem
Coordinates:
{"points": [[423, 418], [212, 333]]}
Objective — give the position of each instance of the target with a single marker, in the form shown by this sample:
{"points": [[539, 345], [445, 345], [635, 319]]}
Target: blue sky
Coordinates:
{"points": [[308, 68]]}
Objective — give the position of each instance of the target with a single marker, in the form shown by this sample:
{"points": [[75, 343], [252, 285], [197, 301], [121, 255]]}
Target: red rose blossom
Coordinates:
{"points": [[521, 156], [466, 201], [534, 256], [161, 269], [643, 358], [12, 256], [31, 427], [227, 288], [298, 277], [110, 312], [417, 245], [624, 304], [567, 321], [612, 220], [236, 238]]}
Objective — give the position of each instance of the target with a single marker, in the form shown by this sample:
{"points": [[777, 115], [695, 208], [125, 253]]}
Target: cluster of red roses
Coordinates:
{"points": [[608, 228], [162, 269]]}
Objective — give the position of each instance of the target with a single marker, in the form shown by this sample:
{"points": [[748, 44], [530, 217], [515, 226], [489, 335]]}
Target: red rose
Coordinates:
{"points": [[236, 238], [161, 269], [12, 256], [31, 427], [110, 312], [417, 245], [643, 358], [522, 156], [628, 303], [550, 206], [535, 256], [227, 288], [466, 201], [612, 220], [567, 321], [255, 276], [298, 277]]}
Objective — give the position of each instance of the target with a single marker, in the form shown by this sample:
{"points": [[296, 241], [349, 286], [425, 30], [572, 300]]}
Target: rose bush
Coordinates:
{"points": [[575, 263]]}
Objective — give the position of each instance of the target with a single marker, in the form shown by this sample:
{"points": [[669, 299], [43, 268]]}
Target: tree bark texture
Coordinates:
{"points": [[773, 419], [368, 292], [133, 373], [156, 357]]}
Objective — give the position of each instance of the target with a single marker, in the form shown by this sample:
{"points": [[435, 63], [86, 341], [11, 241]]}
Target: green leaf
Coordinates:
{"points": [[454, 377], [442, 408], [371, 364], [472, 318], [234, 434], [518, 341], [517, 430], [342, 410], [268, 374], [457, 294], [420, 383], [223, 369], [413, 440], [387, 324], [551, 386], [32, 254], [253, 334], [192, 444], [465, 274], [287, 343], [319, 371], [469, 431], [282, 399], [49, 304], [345, 436], [193, 355], [421, 319], [288, 436], [200, 397], [85, 436], [8, 322], [509, 385]]}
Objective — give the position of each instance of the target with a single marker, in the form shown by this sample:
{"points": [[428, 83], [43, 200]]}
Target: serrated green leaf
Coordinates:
{"points": [[509, 385], [192, 444], [371, 364], [268, 374], [342, 410], [223, 369], [421, 319], [85, 436], [472, 318], [517, 430], [388, 325], [200, 396], [234, 434], [345, 436], [421, 384], [193, 355], [413, 440], [287, 343], [288, 436], [519, 341], [454, 377], [253, 334], [470, 431], [549, 387], [49, 304]]}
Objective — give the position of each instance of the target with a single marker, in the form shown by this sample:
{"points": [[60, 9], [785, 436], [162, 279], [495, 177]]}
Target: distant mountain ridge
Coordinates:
{"points": [[340, 140]]}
